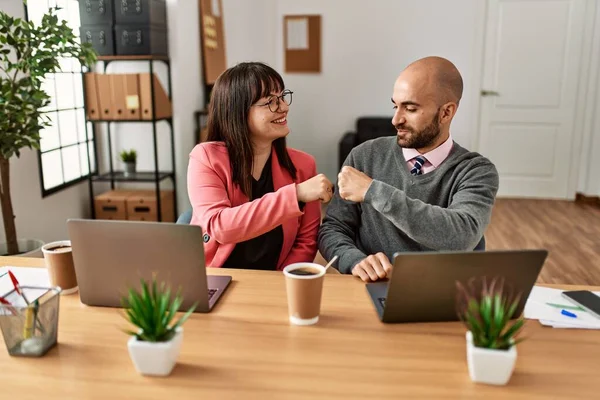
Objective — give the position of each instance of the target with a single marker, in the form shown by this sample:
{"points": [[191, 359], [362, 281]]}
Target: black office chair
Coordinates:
{"points": [[481, 245], [367, 128]]}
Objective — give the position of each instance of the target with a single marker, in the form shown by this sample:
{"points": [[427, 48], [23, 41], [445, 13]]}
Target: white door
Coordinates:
{"points": [[530, 77]]}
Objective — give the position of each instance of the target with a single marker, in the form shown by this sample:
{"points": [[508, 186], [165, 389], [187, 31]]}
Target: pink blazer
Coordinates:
{"points": [[228, 217]]}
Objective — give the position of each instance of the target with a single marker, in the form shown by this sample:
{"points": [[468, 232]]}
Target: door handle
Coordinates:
{"points": [[489, 93]]}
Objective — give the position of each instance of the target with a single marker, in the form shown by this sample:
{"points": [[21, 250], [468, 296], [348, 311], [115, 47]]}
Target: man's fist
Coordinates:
{"points": [[353, 184]]}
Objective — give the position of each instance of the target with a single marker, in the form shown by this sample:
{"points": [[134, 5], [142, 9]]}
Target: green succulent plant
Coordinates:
{"points": [[153, 312], [128, 156], [487, 311]]}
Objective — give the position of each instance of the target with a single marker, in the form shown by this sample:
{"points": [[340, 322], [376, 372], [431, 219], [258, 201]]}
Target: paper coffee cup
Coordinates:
{"points": [[304, 284], [59, 263]]}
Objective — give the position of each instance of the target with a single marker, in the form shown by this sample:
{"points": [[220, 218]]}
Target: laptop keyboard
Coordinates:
{"points": [[382, 301], [211, 293]]}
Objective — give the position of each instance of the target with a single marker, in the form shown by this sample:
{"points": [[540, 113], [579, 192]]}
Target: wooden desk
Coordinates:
{"points": [[246, 349]]}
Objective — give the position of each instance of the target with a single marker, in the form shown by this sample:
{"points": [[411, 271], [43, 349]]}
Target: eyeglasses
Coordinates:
{"points": [[273, 102]]}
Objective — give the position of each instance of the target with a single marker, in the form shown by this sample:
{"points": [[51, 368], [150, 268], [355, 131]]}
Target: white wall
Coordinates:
{"points": [[36, 217], [250, 30]]}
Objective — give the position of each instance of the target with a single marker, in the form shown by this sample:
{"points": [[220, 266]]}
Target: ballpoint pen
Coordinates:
{"points": [[8, 305], [566, 307], [568, 314], [17, 287]]}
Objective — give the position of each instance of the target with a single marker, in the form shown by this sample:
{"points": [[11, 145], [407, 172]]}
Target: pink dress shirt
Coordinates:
{"points": [[434, 157]]}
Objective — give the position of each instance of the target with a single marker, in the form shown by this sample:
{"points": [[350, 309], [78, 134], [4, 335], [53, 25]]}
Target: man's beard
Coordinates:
{"points": [[422, 139]]}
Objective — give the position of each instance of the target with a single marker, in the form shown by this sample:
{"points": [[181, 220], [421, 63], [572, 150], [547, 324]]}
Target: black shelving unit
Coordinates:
{"points": [[155, 176]]}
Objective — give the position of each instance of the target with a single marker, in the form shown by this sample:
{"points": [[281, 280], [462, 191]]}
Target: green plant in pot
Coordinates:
{"points": [[27, 53], [156, 343], [487, 310], [129, 159]]}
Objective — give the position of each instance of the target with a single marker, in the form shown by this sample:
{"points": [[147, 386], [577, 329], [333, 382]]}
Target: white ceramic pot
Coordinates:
{"points": [[493, 367], [27, 248], [156, 359], [129, 168]]}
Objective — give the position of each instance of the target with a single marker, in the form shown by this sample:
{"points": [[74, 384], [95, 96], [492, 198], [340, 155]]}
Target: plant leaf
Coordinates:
{"points": [[152, 310], [185, 316]]}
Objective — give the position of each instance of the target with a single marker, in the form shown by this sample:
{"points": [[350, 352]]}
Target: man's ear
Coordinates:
{"points": [[447, 112]]}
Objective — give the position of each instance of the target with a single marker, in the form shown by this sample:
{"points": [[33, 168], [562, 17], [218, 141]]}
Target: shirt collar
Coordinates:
{"points": [[436, 156]]}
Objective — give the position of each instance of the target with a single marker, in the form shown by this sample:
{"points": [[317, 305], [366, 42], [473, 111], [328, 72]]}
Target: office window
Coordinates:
{"points": [[63, 155]]}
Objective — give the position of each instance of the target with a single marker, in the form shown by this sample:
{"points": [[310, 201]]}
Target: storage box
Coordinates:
{"points": [[96, 12], [141, 40], [143, 12], [111, 205], [141, 206], [101, 37]]}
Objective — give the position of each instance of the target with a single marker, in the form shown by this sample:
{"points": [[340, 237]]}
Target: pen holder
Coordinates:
{"points": [[30, 322]]}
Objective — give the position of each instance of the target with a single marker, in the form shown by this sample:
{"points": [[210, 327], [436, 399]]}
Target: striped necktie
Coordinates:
{"points": [[419, 161]]}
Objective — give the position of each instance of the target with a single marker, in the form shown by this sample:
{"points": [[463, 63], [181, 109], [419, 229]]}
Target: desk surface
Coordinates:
{"points": [[246, 348]]}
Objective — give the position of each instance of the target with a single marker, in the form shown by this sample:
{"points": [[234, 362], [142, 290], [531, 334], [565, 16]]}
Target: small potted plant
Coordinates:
{"points": [[155, 345], [129, 159], [486, 311]]}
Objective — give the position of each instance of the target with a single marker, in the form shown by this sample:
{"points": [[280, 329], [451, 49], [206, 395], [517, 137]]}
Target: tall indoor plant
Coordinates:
{"points": [[27, 53]]}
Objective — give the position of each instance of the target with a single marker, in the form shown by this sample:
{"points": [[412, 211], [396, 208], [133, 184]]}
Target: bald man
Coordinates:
{"points": [[418, 191]]}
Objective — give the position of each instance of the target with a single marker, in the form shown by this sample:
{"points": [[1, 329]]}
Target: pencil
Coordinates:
{"points": [[28, 326]]}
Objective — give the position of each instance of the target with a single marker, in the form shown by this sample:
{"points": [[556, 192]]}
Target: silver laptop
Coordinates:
{"points": [[423, 285], [111, 256]]}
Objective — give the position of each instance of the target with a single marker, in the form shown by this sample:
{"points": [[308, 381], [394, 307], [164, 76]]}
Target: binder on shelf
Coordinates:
{"points": [[132, 97], [162, 103], [91, 96], [104, 96], [117, 90]]}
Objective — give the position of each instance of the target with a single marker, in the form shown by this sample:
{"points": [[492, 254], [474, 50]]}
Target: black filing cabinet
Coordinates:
{"points": [[100, 36], [125, 27], [141, 12], [96, 12], [141, 40]]}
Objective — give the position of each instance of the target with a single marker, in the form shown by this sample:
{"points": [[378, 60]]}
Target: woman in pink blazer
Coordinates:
{"points": [[256, 200]]}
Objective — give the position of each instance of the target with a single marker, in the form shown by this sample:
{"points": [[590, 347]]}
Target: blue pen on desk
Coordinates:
{"points": [[568, 313]]}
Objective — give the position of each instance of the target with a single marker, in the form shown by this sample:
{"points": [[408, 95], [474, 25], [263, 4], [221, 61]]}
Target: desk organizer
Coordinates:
{"points": [[29, 320]]}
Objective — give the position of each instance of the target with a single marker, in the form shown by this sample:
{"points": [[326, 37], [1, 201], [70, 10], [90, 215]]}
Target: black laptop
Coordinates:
{"points": [[423, 285]]}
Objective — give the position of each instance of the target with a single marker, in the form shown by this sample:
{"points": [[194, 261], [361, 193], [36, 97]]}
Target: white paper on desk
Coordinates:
{"points": [[25, 276], [555, 324], [537, 308]]}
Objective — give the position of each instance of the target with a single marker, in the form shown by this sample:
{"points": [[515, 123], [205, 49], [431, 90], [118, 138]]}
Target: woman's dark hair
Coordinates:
{"points": [[235, 91]]}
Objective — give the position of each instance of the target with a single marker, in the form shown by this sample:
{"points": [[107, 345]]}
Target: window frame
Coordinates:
{"points": [[92, 167]]}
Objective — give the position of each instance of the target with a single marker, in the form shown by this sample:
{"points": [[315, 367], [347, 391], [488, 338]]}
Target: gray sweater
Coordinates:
{"points": [[448, 208]]}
